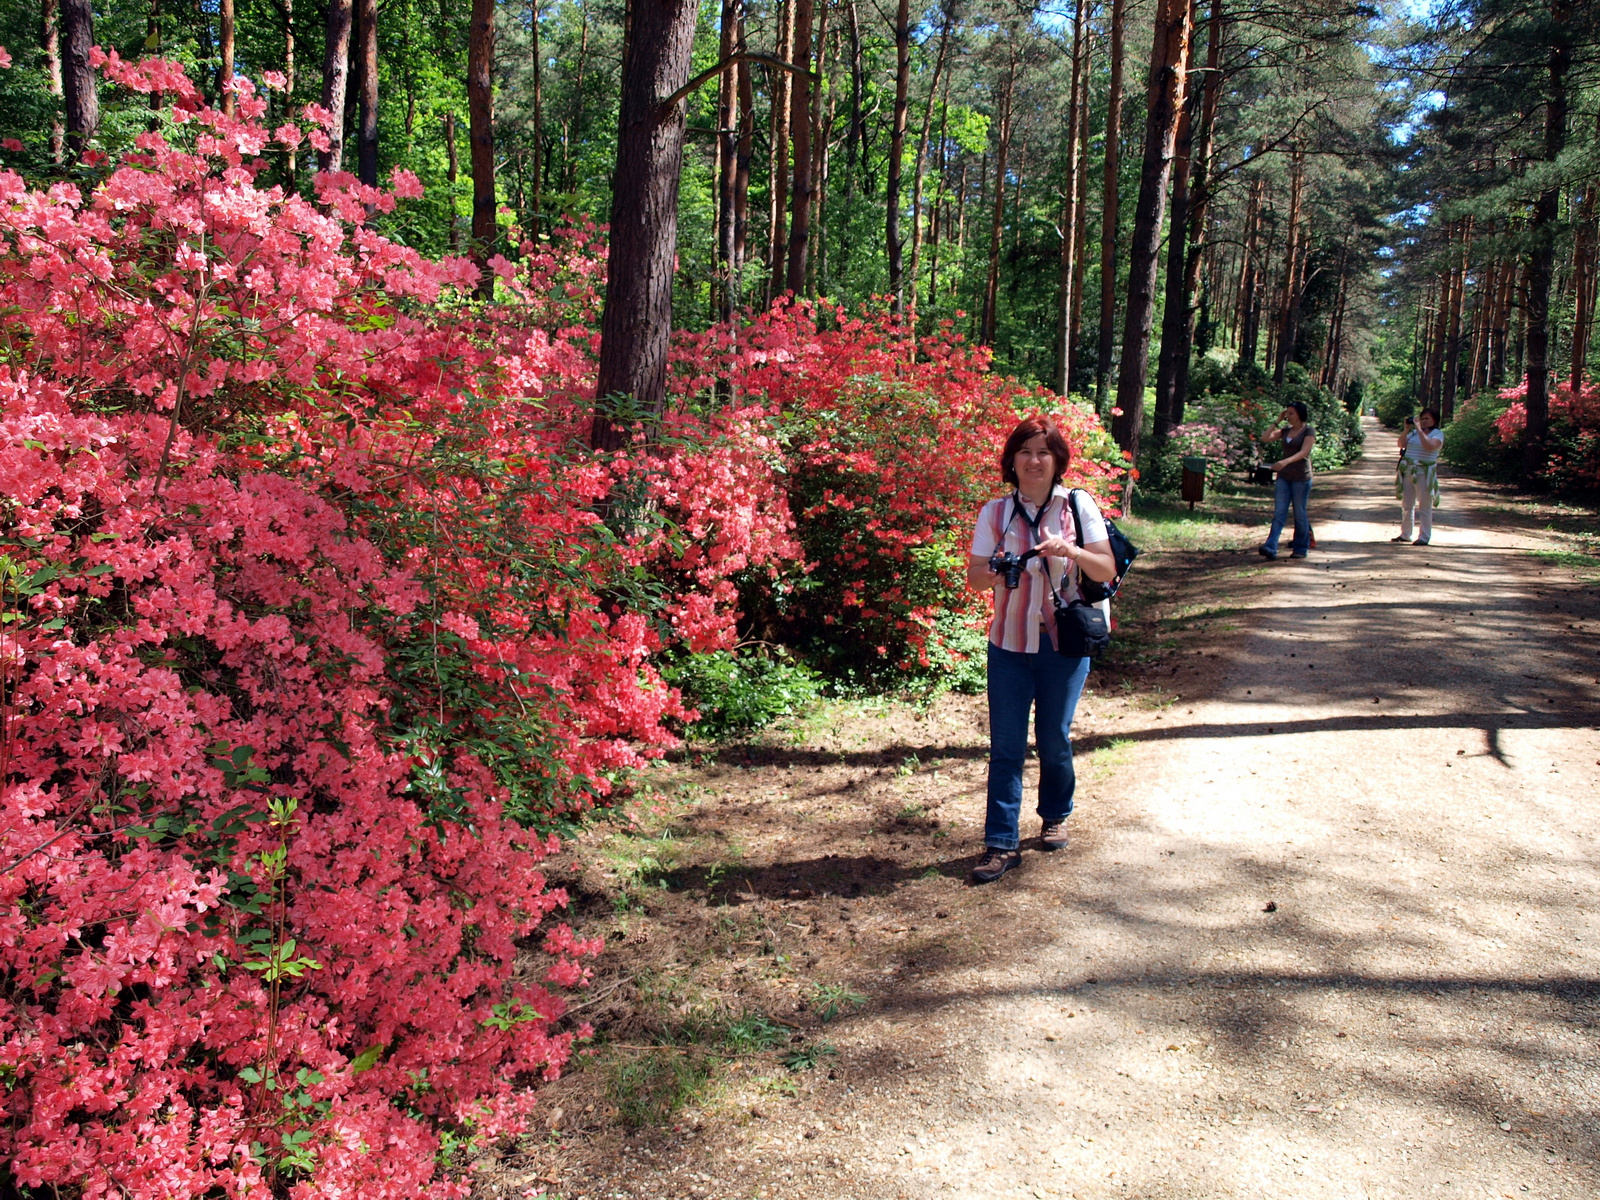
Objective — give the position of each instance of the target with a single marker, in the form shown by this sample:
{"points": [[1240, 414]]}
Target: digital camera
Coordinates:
{"points": [[1010, 565]]}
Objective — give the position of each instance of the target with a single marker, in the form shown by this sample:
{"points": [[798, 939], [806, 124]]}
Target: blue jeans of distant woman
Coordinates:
{"points": [[1048, 685], [1297, 493]]}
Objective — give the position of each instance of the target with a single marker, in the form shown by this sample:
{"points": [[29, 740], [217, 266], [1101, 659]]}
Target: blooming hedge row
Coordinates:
{"points": [[313, 636]]}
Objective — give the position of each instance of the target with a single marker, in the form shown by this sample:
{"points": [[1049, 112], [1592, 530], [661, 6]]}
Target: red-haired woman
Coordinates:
{"points": [[1025, 672]]}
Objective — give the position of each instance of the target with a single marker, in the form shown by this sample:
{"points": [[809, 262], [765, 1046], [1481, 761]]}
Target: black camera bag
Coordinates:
{"points": [[1123, 552], [1082, 630]]}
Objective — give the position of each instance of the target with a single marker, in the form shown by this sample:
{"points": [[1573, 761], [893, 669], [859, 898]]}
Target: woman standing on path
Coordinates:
{"points": [[1025, 672], [1293, 486], [1416, 480]]}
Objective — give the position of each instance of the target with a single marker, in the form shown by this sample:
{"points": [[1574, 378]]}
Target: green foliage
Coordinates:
{"points": [[830, 1000], [647, 1088], [1471, 443], [739, 693]]}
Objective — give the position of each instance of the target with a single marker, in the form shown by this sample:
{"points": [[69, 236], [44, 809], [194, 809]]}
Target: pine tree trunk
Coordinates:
{"points": [[1080, 227], [800, 131], [291, 165], [1583, 271], [1069, 212], [50, 44], [1169, 65], [636, 326], [1199, 206], [897, 146], [1175, 307], [367, 56], [991, 291], [1542, 231], [1458, 292], [1289, 313], [336, 79], [741, 177], [1110, 207], [227, 30], [81, 100], [727, 163], [778, 189], [480, 117], [922, 153], [1249, 306], [536, 201], [452, 173], [821, 132]]}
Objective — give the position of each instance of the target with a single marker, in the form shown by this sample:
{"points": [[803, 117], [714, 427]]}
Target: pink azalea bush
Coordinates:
{"points": [[305, 599], [1573, 461], [314, 637]]}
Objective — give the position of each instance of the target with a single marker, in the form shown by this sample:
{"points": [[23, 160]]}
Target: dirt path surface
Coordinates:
{"points": [[1328, 926]]}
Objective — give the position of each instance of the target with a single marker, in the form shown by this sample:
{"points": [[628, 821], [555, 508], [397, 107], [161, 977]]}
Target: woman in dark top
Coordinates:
{"points": [[1294, 482]]}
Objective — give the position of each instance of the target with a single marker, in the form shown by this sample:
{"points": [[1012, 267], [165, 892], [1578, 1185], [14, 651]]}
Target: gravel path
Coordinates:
{"points": [[1328, 929]]}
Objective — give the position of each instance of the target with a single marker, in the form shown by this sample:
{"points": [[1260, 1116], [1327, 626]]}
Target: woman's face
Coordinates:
{"points": [[1426, 421], [1035, 465], [1289, 417]]}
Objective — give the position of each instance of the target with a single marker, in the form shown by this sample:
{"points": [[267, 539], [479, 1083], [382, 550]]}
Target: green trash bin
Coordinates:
{"points": [[1194, 478]]}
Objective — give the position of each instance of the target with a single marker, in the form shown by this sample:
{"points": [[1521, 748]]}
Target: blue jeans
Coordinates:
{"points": [[1049, 684], [1297, 492]]}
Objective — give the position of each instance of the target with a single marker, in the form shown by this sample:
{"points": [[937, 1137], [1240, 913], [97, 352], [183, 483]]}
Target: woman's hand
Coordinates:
{"points": [[1057, 546], [1280, 464], [979, 577]]}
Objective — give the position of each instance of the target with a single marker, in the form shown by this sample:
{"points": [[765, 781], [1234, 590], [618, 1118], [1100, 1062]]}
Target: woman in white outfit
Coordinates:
{"points": [[1416, 483]]}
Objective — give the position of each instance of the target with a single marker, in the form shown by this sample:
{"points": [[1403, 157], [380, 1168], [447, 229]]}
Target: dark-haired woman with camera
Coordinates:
{"points": [[1416, 483], [1025, 672], [1292, 489]]}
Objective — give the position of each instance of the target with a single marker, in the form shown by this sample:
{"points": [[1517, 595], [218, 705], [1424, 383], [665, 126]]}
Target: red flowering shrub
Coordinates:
{"points": [[1572, 463], [305, 595], [891, 443], [313, 635]]}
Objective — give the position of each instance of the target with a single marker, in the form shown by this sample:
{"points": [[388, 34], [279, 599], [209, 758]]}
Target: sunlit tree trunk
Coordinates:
{"points": [[1175, 308], [1294, 257], [991, 291], [800, 132], [336, 78], [897, 145], [226, 30], [922, 152], [1110, 207], [778, 190], [1169, 65], [1069, 210], [1452, 354], [1541, 259], [50, 44], [727, 161]]}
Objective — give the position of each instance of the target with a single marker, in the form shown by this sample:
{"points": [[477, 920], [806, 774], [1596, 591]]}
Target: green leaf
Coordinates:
{"points": [[367, 1059]]}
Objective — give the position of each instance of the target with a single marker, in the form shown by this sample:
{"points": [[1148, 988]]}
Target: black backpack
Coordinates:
{"points": [[1122, 551]]}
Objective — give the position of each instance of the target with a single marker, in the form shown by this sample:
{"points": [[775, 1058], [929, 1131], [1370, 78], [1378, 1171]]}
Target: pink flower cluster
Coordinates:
{"points": [[313, 630]]}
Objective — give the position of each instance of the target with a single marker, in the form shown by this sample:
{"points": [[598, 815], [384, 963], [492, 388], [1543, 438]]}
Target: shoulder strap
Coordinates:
{"points": [[1077, 522]]}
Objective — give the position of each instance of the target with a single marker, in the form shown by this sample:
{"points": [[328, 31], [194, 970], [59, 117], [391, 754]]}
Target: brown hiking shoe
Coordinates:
{"points": [[1053, 836], [994, 864]]}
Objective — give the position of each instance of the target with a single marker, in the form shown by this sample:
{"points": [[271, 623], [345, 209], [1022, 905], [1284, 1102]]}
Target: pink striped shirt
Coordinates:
{"points": [[1019, 614]]}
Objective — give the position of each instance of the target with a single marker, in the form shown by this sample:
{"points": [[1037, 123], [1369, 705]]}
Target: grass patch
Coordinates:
{"points": [[832, 1000], [1223, 521], [1572, 560], [648, 1086]]}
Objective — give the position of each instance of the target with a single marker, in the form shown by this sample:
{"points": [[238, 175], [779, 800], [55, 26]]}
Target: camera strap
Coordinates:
{"points": [[1033, 530]]}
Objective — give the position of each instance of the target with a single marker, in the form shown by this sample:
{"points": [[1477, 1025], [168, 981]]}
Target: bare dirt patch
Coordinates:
{"points": [[1326, 927]]}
